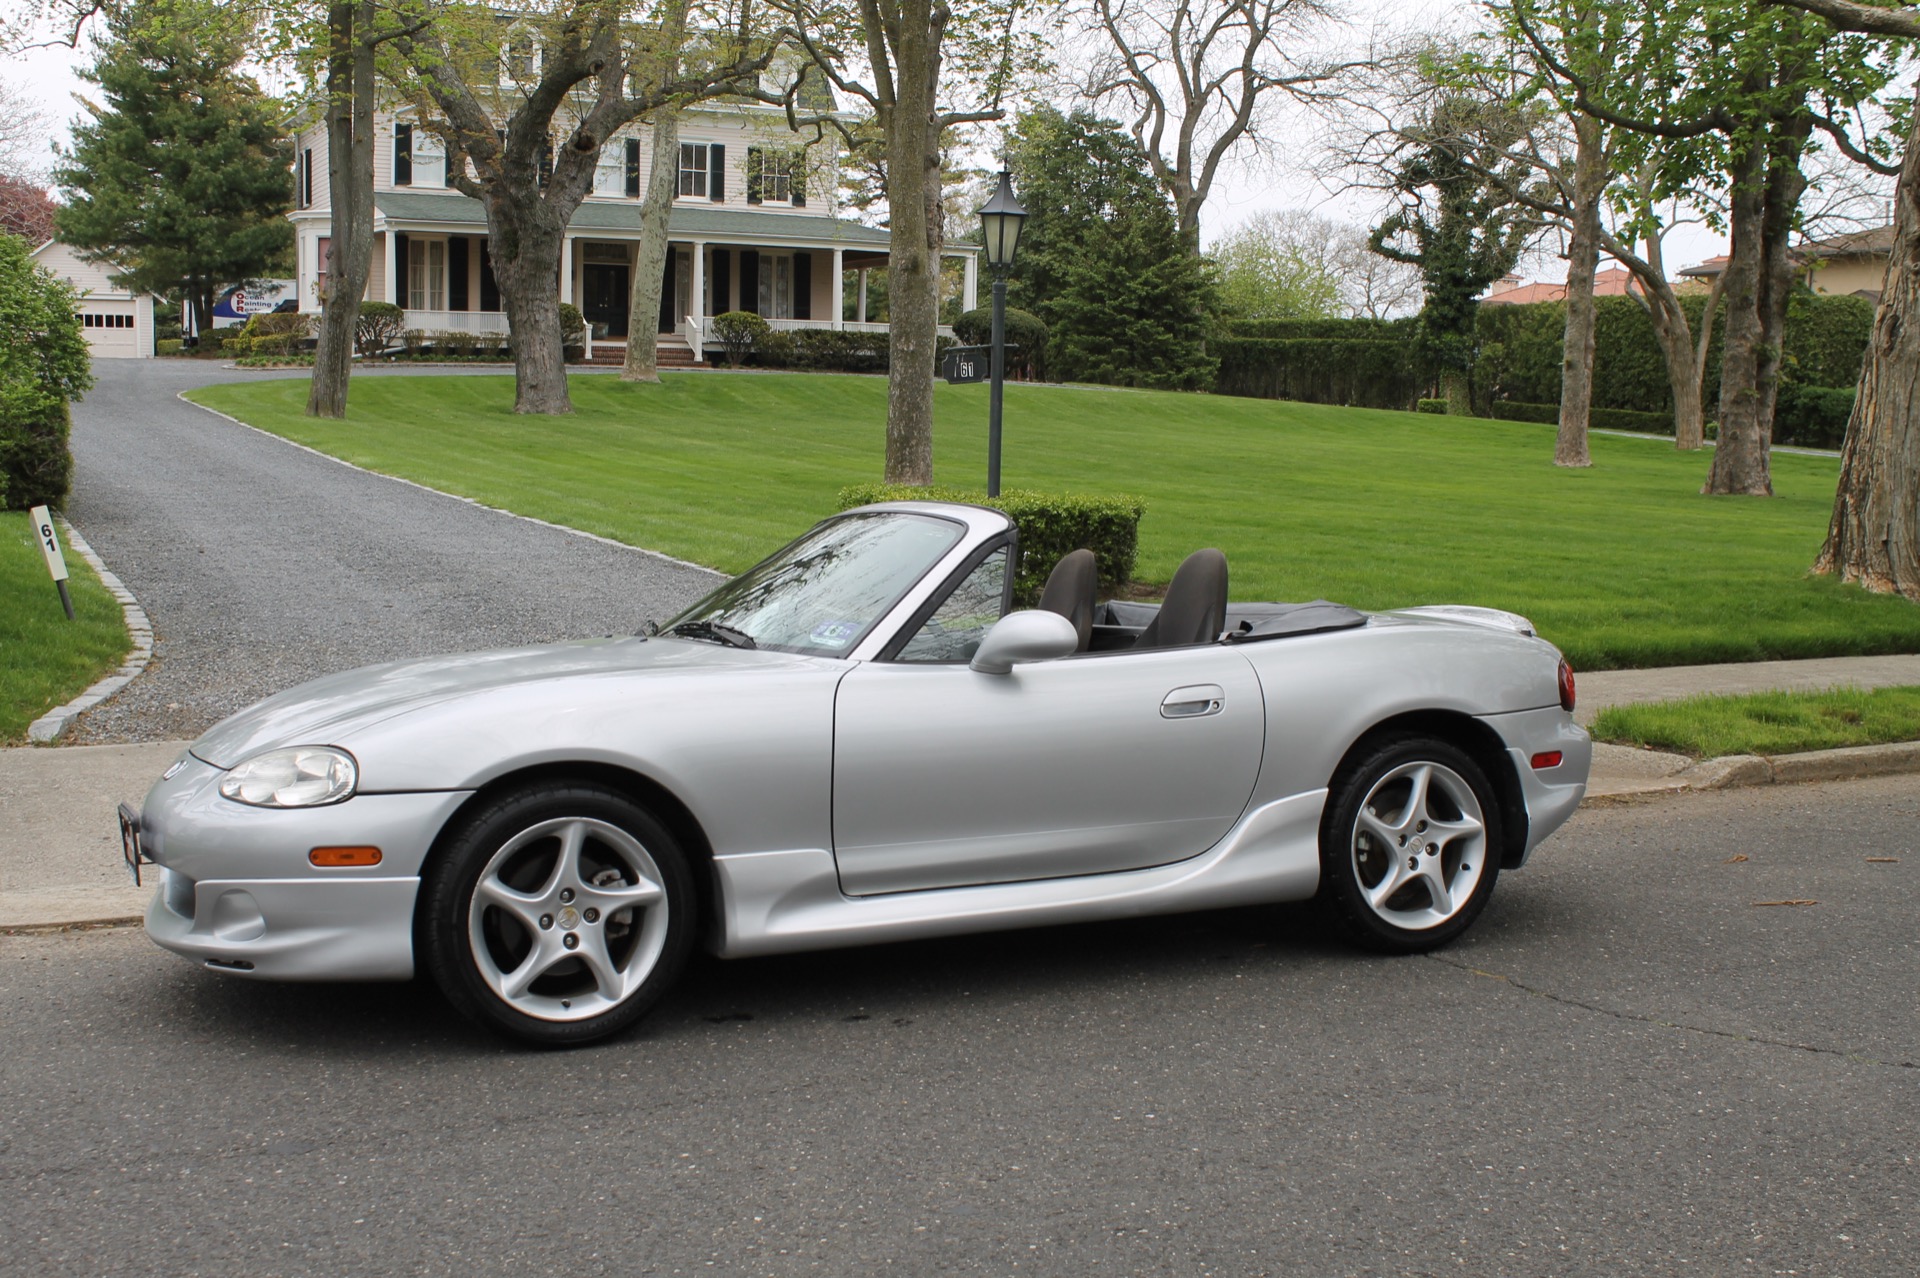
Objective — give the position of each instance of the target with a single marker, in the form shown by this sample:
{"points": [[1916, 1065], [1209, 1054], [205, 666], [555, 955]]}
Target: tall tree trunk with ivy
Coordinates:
{"points": [[349, 120]]}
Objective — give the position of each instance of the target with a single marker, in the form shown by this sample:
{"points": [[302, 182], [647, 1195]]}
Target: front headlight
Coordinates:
{"points": [[303, 777]]}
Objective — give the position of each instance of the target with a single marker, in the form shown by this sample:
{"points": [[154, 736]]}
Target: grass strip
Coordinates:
{"points": [[1624, 564], [46, 660], [1766, 722]]}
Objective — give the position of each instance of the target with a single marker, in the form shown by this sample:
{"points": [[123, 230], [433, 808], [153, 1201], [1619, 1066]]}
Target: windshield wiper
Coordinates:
{"points": [[715, 630]]}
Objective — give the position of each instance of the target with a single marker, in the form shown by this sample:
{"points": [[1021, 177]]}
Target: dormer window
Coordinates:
{"points": [[519, 58]]}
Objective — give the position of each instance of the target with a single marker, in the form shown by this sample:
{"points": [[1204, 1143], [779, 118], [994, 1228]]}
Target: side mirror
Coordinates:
{"points": [[1031, 635]]}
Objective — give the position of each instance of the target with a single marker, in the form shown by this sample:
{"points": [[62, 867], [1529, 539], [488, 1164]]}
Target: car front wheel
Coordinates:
{"points": [[1408, 845], [558, 915]]}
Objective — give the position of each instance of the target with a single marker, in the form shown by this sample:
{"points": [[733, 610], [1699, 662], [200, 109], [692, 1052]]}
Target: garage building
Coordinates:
{"points": [[118, 324]]}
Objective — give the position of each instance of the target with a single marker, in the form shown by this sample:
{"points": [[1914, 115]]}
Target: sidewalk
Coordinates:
{"points": [[60, 861]]}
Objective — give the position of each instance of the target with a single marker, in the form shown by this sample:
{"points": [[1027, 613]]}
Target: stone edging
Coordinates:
{"points": [[1738, 770], [49, 727]]}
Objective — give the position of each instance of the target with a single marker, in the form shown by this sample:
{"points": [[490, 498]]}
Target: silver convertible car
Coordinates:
{"points": [[856, 741]]}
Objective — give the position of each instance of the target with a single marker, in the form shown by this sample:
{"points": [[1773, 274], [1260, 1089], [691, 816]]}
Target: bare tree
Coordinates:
{"points": [[567, 67], [1200, 78], [23, 136], [908, 62]]}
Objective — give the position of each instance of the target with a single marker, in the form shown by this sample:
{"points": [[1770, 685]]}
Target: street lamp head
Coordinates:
{"points": [[1000, 222]]}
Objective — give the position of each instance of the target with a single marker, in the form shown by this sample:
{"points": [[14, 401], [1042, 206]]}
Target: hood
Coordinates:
{"points": [[329, 710]]}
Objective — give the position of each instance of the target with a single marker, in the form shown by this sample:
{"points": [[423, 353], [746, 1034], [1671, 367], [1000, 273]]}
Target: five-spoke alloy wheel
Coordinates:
{"points": [[558, 914], [1410, 844]]}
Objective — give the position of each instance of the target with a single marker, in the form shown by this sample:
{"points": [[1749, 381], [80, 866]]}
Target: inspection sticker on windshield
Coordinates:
{"points": [[834, 634]]}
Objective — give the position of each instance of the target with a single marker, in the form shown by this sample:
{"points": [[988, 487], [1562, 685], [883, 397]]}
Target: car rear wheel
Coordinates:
{"points": [[558, 915], [1408, 844]]}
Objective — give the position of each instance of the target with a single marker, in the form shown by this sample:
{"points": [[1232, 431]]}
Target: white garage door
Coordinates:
{"points": [[109, 328]]}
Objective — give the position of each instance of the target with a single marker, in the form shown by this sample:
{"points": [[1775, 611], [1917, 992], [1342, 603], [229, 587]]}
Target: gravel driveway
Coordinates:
{"points": [[263, 565]]}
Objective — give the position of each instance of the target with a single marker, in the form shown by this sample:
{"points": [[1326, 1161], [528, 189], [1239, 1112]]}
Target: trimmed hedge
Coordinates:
{"points": [[36, 468], [1431, 406], [1365, 373], [1513, 410], [1026, 337], [1050, 525], [1812, 416], [822, 349]]}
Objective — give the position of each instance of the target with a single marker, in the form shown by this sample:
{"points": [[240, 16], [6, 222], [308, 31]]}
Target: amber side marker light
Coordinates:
{"points": [[341, 858], [1545, 759]]}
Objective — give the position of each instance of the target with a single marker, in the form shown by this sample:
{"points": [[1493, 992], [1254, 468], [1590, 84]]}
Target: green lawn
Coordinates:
{"points": [[1766, 722], [1622, 565], [46, 660]]}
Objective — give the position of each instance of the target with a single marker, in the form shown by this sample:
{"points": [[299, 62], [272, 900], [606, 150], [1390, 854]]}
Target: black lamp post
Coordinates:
{"points": [[1000, 222]]}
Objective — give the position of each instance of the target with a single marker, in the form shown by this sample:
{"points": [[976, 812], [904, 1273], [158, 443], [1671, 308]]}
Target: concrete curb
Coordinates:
{"points": [[1736, 771], [49, 727]]}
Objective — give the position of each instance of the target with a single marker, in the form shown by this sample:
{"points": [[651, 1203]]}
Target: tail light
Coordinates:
{"points": [[1566, 686]]}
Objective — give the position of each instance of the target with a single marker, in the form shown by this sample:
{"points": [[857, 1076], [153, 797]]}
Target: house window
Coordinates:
{"points": [[776, 177], [693, 169], [426, 274], [323, 256], [429, 159], [610, 170], [776, 285], [519, 58]]}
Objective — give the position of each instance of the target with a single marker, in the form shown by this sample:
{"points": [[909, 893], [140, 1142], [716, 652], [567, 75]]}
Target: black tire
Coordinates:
{"points": [[1381, 820], [562, 948]]}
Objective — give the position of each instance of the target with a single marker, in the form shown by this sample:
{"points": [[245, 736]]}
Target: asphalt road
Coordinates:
{"points": [[263, 565], [1630, 1067]]}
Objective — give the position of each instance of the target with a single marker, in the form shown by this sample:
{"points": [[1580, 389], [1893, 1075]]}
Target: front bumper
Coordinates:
{"points": [[238, 893]]}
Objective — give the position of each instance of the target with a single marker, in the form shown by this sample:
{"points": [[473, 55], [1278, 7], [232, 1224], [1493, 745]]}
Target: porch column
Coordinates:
{"points": [[970, 291], [390, 274], [861, 310], [566, 268], [697, 291], [839, 288]]}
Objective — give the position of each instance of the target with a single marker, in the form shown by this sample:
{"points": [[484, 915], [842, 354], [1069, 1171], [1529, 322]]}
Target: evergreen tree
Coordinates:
{"points": [[1101, 259], [181, 177]]}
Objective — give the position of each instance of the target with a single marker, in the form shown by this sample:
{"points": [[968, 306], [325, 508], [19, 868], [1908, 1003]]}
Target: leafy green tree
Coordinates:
{"points": [[180, 178], [44, 364], [1461, 229], [1101, 259], [1280, 265]]}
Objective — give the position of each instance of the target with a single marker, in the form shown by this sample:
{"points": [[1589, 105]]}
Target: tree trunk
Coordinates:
{"points": [[916, 237], [1457, 389], [525, 248], [1590, 176], [1683, 370], [1740, 462], [1785, 184], [349, 117], [1874, 538], [650, 259]]}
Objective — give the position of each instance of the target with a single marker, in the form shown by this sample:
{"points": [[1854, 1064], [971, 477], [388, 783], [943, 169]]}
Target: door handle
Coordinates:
{"points": [[1193, 702]]}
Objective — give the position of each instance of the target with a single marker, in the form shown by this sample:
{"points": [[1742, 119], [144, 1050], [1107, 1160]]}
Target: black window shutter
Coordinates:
{"points": [[666, 292], [799, 179], [633, 168], [753, 176], [400, 284], [802, 282], [306, 178], [721, 281], [489, 282], [457, 296], [750, 276], [403, 155], [717, 173]]}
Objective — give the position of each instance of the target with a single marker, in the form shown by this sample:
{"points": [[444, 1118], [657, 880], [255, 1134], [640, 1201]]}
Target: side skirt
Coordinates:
{"points": [[780, 902]]}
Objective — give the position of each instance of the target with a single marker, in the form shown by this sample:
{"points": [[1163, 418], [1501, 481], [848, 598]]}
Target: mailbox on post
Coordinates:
{"points": [[964, 364]]}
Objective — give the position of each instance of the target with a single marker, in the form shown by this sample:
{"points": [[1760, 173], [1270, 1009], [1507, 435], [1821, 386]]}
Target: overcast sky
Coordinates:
{"points": [[47, 77]]}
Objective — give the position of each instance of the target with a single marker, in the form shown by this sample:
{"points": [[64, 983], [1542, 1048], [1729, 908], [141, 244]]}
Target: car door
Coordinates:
{"points": [[945, 777]]}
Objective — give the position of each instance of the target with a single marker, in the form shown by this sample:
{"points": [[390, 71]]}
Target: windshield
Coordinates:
{"points": [[822, 593]]}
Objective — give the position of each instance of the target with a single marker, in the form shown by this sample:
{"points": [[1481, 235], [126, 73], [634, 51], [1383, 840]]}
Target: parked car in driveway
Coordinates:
{"points": [[858, 741]]}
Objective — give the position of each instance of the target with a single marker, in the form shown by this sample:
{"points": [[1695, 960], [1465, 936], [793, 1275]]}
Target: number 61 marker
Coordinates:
{"points": [[50, 547]]}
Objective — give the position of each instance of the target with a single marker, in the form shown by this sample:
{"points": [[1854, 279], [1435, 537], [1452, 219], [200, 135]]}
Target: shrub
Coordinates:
{"points": [[1026, 338], [1363, 372], [1512, 410], [1812, 416], [573, 333], [271, 334], [739, 332], [44, 365], [378, 324], [1050, 525], [167, 346], [1431, 406], [415, 340], [453, 344]]}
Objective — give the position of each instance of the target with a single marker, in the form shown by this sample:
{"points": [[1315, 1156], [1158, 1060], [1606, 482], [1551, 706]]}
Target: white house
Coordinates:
{"points": [[118, 323], [754, 227]]}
